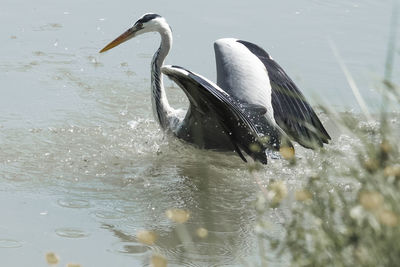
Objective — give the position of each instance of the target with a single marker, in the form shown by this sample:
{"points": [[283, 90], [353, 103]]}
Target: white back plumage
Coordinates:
{"points": [[241, 74]]}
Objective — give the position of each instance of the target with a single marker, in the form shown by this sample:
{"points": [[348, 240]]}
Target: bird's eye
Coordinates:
{"points": [[139, 25]]}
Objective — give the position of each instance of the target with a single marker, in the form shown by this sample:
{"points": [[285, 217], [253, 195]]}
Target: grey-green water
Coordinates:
{"points": [[83, 165]]}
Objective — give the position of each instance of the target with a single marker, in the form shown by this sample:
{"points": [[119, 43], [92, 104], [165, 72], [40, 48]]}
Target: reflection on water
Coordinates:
{"points": [[216, 202], [107, 183], [84, 167], [126, 190]]}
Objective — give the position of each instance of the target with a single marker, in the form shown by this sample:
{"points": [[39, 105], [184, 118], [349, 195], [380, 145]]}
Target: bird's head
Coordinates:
{"points": [[149, 22]]}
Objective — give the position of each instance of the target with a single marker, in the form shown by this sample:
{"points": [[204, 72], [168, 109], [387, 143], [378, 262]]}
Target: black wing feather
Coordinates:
{"points": [[231, 115], [291, 110]]}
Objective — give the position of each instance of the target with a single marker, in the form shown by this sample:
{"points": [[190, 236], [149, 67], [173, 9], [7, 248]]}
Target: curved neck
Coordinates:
{"points": [[161, 107]]}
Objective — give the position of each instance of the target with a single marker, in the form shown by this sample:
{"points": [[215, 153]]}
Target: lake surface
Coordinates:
{"points": [[83, 164]]}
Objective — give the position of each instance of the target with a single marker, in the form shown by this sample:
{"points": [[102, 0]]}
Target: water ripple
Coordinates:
{"points": [[10, 243], [74, 203], [202, 252], [133, 248], [70, 232], [107, 215]]}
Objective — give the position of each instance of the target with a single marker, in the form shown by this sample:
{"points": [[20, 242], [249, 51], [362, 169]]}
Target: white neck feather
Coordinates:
{"points": [[161, 108]]}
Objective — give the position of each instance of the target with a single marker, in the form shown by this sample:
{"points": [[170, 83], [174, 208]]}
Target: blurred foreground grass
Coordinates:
{"points": [[347, 215], [342, 216]]}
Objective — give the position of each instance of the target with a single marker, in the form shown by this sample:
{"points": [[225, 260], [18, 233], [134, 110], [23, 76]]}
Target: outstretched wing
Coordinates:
{"points": [[233, 116], [291, 111]]}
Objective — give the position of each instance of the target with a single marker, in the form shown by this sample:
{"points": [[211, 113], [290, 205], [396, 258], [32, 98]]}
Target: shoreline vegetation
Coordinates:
{"points": [[349, 215]]}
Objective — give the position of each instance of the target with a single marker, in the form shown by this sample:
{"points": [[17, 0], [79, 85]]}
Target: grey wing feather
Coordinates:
{"points": [[291, 110], [231, 115]]}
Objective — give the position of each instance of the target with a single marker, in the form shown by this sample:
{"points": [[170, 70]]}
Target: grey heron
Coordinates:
{"points": [[254, 107]]}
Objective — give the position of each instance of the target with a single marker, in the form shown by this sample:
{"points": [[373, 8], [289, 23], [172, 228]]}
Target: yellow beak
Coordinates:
{"points": [[130, 33]]}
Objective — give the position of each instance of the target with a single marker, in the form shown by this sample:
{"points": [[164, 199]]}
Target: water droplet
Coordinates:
{"points": [[132, 124], [347, 188]]}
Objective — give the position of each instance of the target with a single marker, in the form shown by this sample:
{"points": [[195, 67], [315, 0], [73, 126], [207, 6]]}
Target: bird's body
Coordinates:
{"points": [[253, 107]]}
